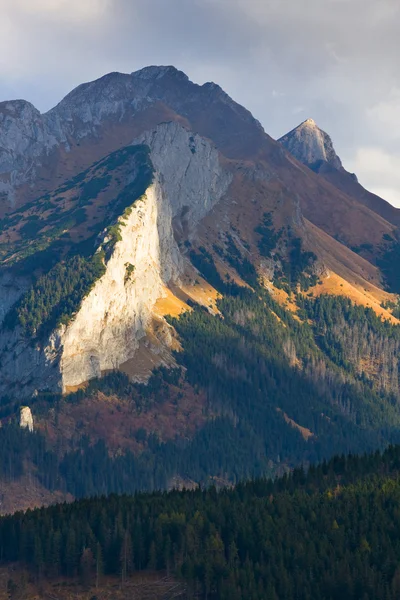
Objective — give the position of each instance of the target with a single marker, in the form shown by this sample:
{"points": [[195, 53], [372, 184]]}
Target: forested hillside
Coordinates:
{"points": [[330, 533], [256, 391]]}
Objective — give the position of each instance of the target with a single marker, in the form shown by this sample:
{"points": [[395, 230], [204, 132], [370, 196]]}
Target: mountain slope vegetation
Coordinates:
{"points": [[273, 391]]}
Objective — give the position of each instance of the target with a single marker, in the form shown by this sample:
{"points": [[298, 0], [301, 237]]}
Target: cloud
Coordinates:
{"points": [[386, 115], [379, 171], [69, 10]]}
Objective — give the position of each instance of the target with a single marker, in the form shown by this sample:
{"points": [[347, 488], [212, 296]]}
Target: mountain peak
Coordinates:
{"points": [[158, 71], [311, 146], [18, 108]]}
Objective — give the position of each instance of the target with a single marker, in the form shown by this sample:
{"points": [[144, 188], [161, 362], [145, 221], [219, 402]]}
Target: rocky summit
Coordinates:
{"points": [[311, 146]]}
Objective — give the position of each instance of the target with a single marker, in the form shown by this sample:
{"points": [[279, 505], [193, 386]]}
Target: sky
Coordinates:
{"points": [[336, 61]]}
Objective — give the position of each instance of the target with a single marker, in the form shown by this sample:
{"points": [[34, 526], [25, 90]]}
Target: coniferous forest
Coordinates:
{"points": [[256, 366], [281, 391], [330, 533]]}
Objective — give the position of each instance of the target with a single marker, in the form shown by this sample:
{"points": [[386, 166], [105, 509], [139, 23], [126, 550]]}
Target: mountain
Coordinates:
{"points": [[314, 148], [41, 151], [183, 187], [181, 299]]}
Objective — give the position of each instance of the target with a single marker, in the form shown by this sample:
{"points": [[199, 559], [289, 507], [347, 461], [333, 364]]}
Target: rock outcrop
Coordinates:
{"points": [[25, 140], [26, 418], [311, 146]]}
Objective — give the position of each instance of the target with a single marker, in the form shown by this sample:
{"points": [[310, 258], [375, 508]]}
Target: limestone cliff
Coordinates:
{"points": [[114, 316], [189, 180]]}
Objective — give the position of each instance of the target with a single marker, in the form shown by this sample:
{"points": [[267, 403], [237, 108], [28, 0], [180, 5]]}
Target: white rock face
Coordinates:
{"points": [[105, 332], [26, 418], [309, 144], [115, 315]]}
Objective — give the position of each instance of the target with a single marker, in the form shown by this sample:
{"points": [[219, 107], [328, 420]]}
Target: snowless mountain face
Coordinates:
{"points": [[106, 114], [118, 221], [311, 146], [102, 197], [130, 261]]}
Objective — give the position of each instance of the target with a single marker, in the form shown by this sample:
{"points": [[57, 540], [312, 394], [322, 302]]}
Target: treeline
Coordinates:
{"points": [[330, 533]]}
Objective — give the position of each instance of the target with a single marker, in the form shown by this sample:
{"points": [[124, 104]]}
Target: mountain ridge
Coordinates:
{"points": [[241, 137]]}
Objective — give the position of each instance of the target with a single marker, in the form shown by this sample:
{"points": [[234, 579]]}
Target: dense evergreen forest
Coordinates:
{"points": [[267, 378], [330, 533], [56, 296]]}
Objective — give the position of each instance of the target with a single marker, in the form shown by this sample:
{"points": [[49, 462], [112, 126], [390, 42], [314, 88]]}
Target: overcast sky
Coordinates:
{"points": [[336, 61]]}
